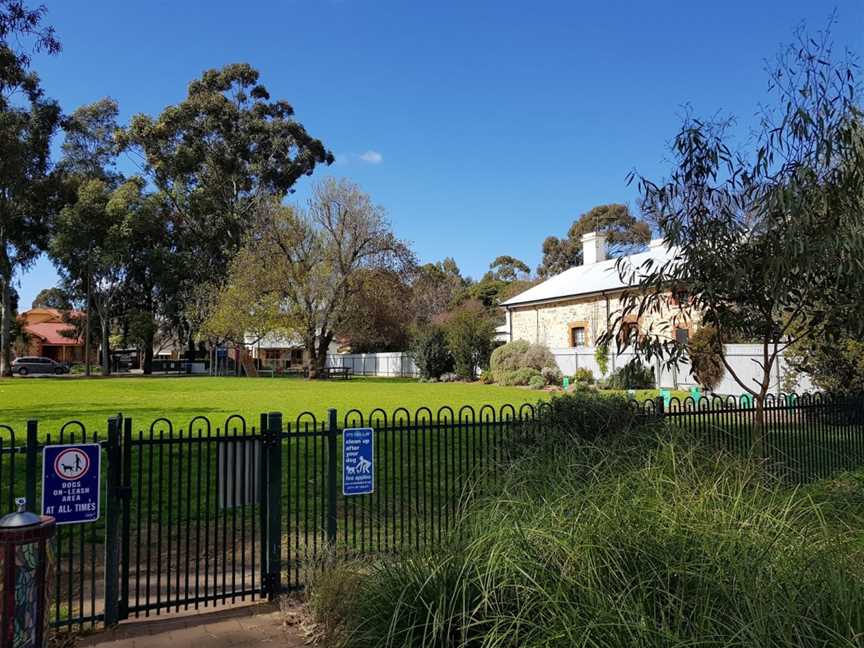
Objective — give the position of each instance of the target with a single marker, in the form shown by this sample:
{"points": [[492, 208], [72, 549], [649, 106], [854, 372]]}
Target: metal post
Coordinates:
{"points": [[112, 522], [332, 482], [32, 453], [660, 405], [126, 494], [274, 505]]}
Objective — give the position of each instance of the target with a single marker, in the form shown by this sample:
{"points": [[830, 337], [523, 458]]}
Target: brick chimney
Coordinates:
{"points": [[593, 248]]}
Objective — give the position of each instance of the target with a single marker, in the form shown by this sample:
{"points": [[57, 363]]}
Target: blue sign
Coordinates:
{"points": [[70, 482], [358, 462]]}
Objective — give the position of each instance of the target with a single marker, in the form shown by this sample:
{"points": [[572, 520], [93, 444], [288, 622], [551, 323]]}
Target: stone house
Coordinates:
{"points": [[573, 308]]}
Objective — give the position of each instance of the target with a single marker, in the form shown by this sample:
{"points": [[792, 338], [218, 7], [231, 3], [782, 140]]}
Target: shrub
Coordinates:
{"points": [[583, 375], [601, 356], [519, 377], [587, 414], [552, 375], [470, 337], [636, 541], [706, 363], [633, 375], [521, 354], [430, 352], [537, 382]]}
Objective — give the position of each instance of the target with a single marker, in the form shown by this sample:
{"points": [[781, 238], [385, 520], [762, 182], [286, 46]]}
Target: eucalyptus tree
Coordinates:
{"points": [[768, 245], [306, 266], [28, 120], [93, 240], [216, 157], [89, 153], [625, 234]]}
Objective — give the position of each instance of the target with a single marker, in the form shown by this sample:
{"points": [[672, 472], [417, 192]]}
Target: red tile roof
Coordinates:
{"points": [[50, 333]]}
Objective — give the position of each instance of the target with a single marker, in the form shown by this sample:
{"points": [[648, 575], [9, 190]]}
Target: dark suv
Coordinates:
{"points": [[33, 365]]}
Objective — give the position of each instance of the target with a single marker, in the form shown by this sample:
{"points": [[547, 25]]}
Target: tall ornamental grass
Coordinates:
{"points": [[629, 541]]}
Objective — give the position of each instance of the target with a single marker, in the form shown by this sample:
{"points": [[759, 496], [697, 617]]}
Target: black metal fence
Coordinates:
{"points": [[205, 514], [802, 437]]}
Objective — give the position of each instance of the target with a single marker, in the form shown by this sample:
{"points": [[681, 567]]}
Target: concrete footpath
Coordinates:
{"points": [[258, 625]]}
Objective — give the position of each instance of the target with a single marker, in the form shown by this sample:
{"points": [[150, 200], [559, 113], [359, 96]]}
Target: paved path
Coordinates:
{"points": [[259, 626]]}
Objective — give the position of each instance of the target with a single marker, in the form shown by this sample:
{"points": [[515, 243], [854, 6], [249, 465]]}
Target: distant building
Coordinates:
{"points": [[52, 337], [573, 308]]}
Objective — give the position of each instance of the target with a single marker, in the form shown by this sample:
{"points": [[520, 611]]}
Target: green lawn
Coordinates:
{"points": [[54, 401]]}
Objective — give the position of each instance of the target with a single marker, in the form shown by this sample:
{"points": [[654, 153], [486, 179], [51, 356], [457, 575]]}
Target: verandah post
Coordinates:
{"points": [[274, 505], [332, 481]]}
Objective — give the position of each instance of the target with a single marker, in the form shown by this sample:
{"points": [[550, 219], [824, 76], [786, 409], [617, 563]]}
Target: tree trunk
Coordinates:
{"points": [[106, 351], [87, 364], [147, 362], [190, 351], [6, 330], [316, 361]]}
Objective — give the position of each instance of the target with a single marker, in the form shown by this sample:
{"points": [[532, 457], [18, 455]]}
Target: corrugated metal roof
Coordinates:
{"points": [[590, 279]]}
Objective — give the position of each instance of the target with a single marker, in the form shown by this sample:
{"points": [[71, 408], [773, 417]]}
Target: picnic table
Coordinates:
{"points": [[344, 373]]}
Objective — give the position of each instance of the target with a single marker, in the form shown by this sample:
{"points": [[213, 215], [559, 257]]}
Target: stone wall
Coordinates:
{"points": [[550, 324]]}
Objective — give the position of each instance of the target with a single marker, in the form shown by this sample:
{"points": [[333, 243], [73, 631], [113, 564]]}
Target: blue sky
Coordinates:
{"points": [[482, 127]]}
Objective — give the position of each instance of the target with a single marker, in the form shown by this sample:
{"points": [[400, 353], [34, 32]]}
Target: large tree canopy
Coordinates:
{"points": [[310, 264], [218, 157], [624, 234], [27, 123]]}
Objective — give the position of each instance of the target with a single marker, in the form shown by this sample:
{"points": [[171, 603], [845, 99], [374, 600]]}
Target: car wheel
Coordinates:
{"points": [[23, 371], [59, 371]]}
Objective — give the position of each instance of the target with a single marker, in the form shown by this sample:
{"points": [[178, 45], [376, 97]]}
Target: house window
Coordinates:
{"points": [[578, 334], [682, 335]]}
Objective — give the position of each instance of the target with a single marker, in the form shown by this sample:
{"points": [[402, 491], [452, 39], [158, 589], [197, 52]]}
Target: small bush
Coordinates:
{"points": [[537, 382], [518, 355], [587, 414], [633, 375], [705, 360], [470, 336], [552, 375], [601, 356], [583, 375], [449, 377], [519, 377], [430, 352]]}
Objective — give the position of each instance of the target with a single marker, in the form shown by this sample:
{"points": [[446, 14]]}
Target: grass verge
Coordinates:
{"points": [[642, 540]]}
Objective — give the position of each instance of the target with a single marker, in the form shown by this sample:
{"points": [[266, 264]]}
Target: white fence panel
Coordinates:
{"points": [[389, 364], [743, 358]]}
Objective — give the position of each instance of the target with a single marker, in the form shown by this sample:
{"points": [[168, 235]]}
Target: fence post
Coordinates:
{"points": [[112, 522], [30, 470], [263, 494], [274, 505], [332, 482], [126, 494], [661, 405]]}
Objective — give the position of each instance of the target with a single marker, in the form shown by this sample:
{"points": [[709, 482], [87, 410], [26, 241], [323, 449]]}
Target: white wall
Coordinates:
{"points": [[741, 357]]}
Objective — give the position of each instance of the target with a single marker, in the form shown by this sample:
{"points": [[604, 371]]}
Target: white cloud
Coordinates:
{"points": [[372, 157]]}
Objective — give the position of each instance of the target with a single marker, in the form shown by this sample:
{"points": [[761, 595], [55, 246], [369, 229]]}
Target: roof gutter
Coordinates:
{"points": [[553, 300]]}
